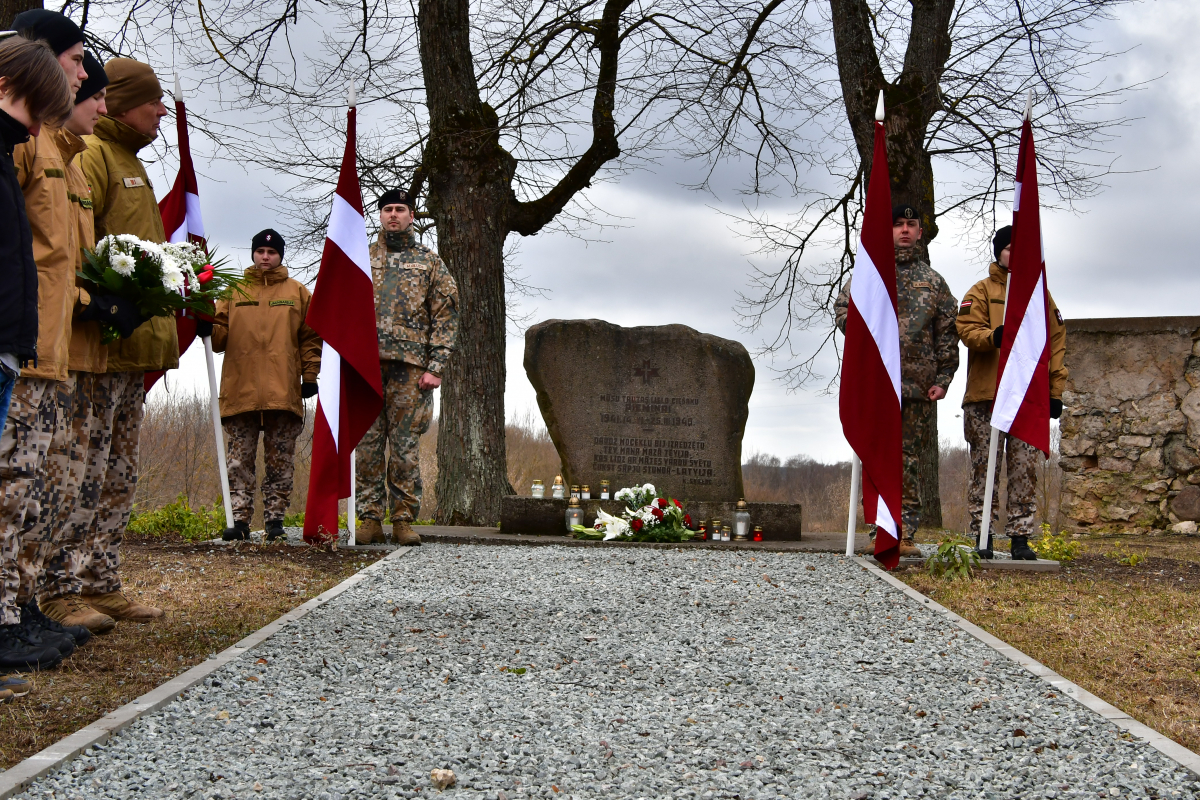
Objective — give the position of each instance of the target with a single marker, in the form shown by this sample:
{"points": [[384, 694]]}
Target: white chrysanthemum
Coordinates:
{"points": [[173, 280], [102, 245], [122, 264]]}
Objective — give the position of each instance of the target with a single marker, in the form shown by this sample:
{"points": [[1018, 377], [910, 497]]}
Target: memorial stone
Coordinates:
{"points": [[664, 404]]}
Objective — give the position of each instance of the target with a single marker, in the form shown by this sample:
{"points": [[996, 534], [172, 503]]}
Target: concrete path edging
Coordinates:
{"points": [[1168, 747], [22, 775]]}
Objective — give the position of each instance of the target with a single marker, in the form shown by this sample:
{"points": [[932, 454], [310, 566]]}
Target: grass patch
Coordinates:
{"points": [[1126, 630], [214, 596]]}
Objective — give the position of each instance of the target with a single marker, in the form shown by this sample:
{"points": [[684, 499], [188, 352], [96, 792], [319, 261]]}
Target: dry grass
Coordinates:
{"points": [[1127, 634], [214, 596]]}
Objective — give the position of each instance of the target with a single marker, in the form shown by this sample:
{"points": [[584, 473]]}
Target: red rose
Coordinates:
{"points": [[676, 502], [687, 520], [636, 524], [662, 503], [657, 512]]}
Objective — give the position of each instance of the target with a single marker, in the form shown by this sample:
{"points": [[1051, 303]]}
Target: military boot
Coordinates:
{"points": [[368, 531], [118, 606], [403, 534], [274, 530], [16, 684], [1021, 551], [240, 532], [71, 611], [909, 549], [79, 633], [19, 654], [35, 634], [984, 553]]}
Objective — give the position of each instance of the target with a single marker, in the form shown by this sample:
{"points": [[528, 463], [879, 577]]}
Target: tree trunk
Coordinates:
{"points": [[10, 8], [929, 481], [470, 193]]}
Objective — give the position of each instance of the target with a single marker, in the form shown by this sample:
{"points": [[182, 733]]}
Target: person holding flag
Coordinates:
{"points": [[928, 355], [981, 328]]}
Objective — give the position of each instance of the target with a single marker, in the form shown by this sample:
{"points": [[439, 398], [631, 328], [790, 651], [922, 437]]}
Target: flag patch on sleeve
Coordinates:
{"points": [[964, 307], [1058, 316]]}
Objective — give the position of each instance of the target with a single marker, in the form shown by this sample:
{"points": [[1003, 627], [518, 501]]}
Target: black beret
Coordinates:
{"points": [[96, 80], [905, 211], [393, 196], [1001, 240], [268, 238], [38, 23]]}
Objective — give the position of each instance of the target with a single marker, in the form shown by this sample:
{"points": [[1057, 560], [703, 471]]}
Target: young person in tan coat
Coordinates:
{"points": [[980, 324], [271, 363]]}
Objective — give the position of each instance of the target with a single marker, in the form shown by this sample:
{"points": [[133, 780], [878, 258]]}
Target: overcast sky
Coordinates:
{"points": [[678, 259]]}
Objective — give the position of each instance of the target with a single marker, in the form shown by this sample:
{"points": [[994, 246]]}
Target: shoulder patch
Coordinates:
{"points": [[133, 183], [997, 301], [1058, 316], [283, 303], [55, 172], [964, 307]]}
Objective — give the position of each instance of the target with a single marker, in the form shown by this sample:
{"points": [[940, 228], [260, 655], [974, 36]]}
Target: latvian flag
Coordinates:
{"points": [[1022, 406], [180, 211], [869, 397], [342, 312]]}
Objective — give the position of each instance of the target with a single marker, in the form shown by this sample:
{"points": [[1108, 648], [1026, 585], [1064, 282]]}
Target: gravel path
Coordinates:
{"points": [[570, 672]]}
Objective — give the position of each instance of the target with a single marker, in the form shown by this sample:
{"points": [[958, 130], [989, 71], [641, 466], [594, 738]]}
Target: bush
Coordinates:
{"points": [[955, 558], [180, 518], [1056, 548], [1122, 555]]}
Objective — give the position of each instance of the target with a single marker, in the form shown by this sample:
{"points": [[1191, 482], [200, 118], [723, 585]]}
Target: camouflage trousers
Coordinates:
{"points": [[918, 419], [1020, 459], [407, 412], [50, 549], [280, 430], [106, 500], [36, 414]]}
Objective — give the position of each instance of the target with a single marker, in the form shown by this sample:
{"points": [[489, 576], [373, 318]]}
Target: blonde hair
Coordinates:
{"points": [[31, 72]]}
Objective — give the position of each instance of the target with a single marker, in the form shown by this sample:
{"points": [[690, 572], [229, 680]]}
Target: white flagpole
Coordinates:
{"points": [[852, 523], [350, 509], [215, 405]]}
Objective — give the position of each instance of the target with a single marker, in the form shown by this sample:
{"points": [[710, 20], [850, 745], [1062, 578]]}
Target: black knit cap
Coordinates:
{"points": [[1001, 240], [96, 80], [267, 238], [393, 196], [905, 211], [38, 23]]}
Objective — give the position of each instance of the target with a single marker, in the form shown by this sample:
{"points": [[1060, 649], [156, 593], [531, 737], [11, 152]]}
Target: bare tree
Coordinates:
{"points": [[10, 8]]}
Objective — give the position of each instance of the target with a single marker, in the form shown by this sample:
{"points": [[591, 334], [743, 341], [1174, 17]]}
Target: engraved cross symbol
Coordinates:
{"points": [[646, 372]]}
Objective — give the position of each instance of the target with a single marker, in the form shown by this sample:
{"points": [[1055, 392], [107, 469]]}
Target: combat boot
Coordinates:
{"points": [[984, 553], [1021, 551], [909, 549], [35, 634], [71, 612], [240, 532], [19, 654], [368, 531], [79, 633], [403, 534], [118, 606], [274, 530]]}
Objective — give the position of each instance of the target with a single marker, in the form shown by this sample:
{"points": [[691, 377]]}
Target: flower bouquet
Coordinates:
{"points": [[159, 279], [646, 518]]}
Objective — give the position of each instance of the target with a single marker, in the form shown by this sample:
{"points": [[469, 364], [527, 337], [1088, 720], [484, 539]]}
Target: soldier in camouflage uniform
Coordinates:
{"points": [[928, 355], [416, 311], [981, 326]]}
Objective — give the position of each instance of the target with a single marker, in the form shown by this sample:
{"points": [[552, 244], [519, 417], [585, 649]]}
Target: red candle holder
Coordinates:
{"points": [[758, 534]]}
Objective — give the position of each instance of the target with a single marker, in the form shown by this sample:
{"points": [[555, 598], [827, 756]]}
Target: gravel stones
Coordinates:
{"points": [[572, 672]]}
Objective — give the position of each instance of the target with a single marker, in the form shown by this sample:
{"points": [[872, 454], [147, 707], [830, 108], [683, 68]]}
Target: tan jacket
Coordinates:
{"points": [[86, 352], [268, 347], [980, 313], [41, 169], [123, 201]]}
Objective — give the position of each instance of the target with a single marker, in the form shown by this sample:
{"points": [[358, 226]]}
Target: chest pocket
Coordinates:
{"points": [[407, 289]]}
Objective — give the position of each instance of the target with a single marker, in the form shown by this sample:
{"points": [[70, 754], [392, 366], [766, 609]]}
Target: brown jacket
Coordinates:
{"points": [[87, 354], [124, 202], [41, 169], [980, 313], [268, 347]]}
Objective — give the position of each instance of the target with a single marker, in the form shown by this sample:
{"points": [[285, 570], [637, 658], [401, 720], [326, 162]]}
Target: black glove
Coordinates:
{"points": [[203, 328], [998, 336], [1056, 408], [116, 311], [309, 388]]}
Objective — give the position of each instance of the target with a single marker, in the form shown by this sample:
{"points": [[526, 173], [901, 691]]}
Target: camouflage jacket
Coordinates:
{"points": [[928, 338], [416, 304]]}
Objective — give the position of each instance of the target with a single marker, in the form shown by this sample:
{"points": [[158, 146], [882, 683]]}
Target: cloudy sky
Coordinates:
{"points": [[677, 257]]}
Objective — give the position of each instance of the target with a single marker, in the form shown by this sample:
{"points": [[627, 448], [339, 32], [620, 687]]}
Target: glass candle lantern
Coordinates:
{"points": [[574, 514], [604, 494], [741, 520], [585, 492], [575, 490], [758, 536], [538, 490], [714, 531], [557, 490], [724, 533], [702, 532]]}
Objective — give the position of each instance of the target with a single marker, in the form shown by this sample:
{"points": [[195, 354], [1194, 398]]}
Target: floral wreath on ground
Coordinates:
{"points": [[646, 518]]}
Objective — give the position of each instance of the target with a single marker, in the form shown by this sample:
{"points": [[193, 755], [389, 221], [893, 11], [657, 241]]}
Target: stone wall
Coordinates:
{"points": [[1130, 449]]}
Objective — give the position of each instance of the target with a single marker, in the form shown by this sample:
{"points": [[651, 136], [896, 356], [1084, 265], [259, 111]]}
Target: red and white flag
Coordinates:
{"points": [[869, 397], [180, 210], [342, 312], [1022, 406]]}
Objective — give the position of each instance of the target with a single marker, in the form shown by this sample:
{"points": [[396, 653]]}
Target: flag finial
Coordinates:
{"points": [[178, 91], [352, 97], [1029, 105], [879, 108]]}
